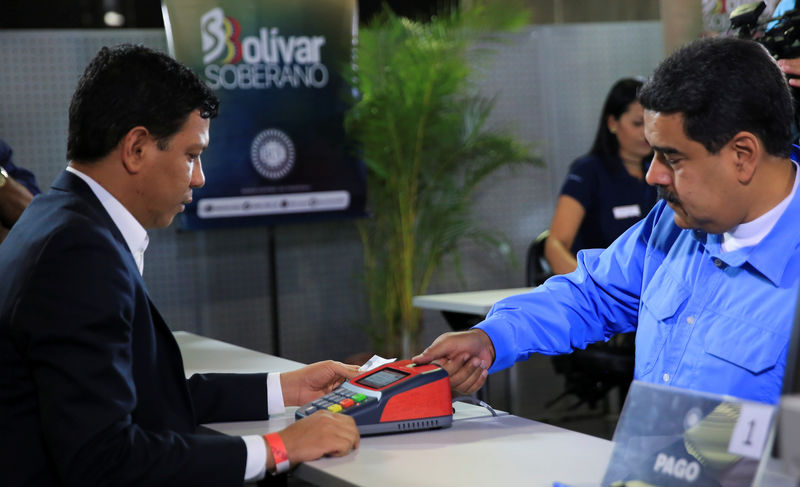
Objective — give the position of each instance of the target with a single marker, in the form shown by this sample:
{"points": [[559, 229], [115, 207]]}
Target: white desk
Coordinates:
{"points": [[201, 354], [477, 449], [472, 302]]}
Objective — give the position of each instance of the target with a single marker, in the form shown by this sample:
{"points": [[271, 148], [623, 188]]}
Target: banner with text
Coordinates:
{"points": [[278, 151]]}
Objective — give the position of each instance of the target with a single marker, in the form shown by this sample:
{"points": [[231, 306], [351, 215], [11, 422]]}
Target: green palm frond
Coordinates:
{"points": [[422, 134]]}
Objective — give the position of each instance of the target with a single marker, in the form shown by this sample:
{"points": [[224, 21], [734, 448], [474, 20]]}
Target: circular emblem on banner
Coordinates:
{"points": [[272, 154], [693, 416]]}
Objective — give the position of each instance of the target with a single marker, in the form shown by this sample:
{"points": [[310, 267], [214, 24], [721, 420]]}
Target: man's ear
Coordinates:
{"points": [[134, 147], [747, 151]]}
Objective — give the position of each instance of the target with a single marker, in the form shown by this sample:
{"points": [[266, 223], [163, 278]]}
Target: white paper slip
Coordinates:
{"points": [[375, 361]]}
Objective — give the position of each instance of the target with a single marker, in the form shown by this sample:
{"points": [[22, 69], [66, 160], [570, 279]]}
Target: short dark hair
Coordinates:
{"points": [[619, 98], [127, 86], [723, 86]]}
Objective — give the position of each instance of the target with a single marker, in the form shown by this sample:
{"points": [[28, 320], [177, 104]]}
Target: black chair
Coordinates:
{"points": [[537, 270], [589, 374]]}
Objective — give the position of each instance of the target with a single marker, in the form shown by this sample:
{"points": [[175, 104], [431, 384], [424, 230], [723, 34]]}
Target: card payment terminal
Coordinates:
{"points": [[396, 397]]}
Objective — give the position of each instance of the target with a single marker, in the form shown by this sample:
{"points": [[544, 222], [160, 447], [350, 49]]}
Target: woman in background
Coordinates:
{"points": [[605, 191]]}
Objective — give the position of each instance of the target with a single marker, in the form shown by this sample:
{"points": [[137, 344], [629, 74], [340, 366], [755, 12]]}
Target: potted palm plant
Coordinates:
{"points": [[421, 130]]}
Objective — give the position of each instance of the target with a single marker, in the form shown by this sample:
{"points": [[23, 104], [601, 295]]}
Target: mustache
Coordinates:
{"points": [[667, 195]]}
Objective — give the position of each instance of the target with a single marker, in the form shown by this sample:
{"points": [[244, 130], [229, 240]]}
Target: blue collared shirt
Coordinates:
{"points": [[704, 320]]}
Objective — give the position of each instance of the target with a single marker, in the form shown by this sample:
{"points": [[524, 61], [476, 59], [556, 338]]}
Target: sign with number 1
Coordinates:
{"points": [[674, 437]]}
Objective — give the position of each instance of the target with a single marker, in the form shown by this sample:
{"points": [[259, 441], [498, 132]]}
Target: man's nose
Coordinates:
{"points": [[658, 174], [198, 178]]}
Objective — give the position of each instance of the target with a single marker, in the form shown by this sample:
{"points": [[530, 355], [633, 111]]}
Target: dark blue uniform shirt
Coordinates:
{"points": [[613, 199]]}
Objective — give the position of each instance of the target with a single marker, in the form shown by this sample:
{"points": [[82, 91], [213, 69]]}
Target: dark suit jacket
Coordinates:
{"points": [[92, 386]]}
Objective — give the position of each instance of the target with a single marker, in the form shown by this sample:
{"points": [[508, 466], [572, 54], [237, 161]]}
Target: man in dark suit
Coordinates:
{"points": [[92, 387]]}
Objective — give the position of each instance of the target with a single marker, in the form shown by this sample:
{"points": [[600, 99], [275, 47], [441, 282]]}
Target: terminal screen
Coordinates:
{"points": [[382, 378]]}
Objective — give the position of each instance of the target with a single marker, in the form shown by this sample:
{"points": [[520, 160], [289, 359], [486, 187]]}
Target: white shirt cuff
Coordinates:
{"points": [[256, 467], [274, 394]]}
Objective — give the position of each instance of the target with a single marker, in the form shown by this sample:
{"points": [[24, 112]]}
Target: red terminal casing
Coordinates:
{"points": [[427, 401]]}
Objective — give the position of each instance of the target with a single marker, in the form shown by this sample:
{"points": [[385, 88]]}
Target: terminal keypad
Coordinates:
{"points": [[337, 401]]}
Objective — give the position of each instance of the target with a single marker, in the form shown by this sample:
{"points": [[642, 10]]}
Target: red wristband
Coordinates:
{"points": [[278, 449]]}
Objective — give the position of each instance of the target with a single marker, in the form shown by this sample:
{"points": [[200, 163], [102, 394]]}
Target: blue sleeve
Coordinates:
{"points": [[596, 301]]}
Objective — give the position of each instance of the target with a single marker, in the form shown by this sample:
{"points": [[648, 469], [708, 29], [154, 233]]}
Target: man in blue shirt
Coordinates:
{"points": [[709, 278]]}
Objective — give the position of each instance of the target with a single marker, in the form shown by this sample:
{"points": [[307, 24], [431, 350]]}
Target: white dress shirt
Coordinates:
{"points": [[751, 233]]}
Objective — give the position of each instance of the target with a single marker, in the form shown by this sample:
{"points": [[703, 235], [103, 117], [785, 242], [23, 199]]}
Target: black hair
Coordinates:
{"points": [[619, 98], [722, 86], [128, 86]]}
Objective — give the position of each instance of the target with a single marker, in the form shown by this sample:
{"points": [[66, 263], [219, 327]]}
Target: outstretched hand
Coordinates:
{"points": [[465, 355], [313, 381]]}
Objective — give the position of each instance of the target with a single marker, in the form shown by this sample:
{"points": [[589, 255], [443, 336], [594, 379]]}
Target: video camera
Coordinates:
{"points": [[780, 35]]}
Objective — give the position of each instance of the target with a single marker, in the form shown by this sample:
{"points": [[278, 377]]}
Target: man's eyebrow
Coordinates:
{"points": [[666, 150], [200, 147]]}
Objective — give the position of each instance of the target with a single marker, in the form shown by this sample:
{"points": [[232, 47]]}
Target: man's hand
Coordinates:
{"points": [[791, 66], [465, 355], [313, 381], [322, 433]]}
